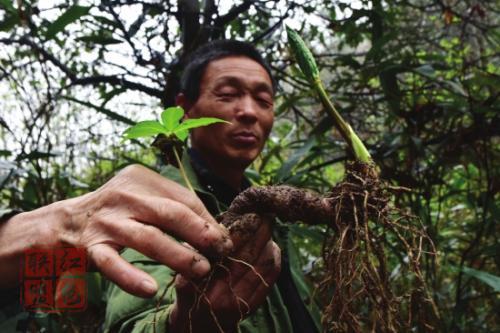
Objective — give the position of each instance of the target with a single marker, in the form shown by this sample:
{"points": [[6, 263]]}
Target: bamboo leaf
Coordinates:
{"points": [[69, 16], [492, 280], [100, 39], [285, 171], [171, 117], [144, 128]]}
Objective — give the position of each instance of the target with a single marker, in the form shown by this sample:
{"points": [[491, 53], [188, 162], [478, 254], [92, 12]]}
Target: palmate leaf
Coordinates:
{"points": [[171, 117], [198, 122], [144, 129], [170, 125]]}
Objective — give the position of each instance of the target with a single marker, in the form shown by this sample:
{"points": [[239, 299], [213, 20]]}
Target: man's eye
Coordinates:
{"points": [[227, 95], [264, 102]]}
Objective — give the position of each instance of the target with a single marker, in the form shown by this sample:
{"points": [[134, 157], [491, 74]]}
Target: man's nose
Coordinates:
{"points": [[246, 109]]}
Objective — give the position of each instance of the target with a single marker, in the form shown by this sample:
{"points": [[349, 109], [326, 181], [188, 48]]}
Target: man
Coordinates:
{"points": [[225, 79]]}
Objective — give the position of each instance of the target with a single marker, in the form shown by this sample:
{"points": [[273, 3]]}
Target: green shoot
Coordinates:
{"points": [[173, 129], [308, 66]]}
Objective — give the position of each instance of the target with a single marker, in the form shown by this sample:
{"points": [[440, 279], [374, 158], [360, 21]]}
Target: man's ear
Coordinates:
{"points": [[182, 101]]}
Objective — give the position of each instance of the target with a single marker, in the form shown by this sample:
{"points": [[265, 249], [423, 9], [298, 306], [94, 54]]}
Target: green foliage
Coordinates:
{"points": [[170, 125], [72, 14], [491, 280], [420, 85]]}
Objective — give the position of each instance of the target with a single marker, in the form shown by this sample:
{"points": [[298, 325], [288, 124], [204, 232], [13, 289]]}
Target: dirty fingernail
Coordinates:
{"points": [[201, 266], [149, 287], [225, 230], [224, 246]]}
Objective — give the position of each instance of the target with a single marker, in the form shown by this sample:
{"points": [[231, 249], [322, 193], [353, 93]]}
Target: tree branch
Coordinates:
{"points": [[91, 80]]}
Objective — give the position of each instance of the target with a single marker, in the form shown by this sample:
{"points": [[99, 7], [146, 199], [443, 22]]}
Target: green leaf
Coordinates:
{"points": [[490, 279], [171, 117], [5, 153], [71, 15], [9, 22], [198, 122], [34, 155], [285, 171], [182, 135], [144, 128], [426, 70], [99, 39], [7, 5]]}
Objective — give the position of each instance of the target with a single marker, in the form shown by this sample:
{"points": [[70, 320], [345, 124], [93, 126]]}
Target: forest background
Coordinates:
{"points": [[419, 80]]}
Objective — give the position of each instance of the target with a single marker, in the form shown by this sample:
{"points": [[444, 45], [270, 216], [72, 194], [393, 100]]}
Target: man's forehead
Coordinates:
{"points": [[232, 68]]}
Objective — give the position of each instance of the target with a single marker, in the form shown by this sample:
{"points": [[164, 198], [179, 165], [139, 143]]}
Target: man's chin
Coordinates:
{"points": [[242, 158]]}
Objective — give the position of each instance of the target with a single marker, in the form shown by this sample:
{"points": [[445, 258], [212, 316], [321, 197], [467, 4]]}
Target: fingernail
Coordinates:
{"points": [[224, 229], [224, 246], [201, 266], [149, 287]]}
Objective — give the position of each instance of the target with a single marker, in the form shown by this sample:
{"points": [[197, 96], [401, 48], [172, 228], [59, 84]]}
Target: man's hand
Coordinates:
{"points": [[134, 209], [235, 289]]}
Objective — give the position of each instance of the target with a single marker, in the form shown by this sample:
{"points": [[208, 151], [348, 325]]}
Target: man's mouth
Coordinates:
{"points": [[245, 137]]}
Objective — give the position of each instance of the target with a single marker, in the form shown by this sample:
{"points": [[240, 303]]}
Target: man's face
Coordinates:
{"points": [[239, 90]]}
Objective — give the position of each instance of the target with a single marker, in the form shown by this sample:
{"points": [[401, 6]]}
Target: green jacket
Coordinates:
{"points": [[127, 313], [122, 312]]}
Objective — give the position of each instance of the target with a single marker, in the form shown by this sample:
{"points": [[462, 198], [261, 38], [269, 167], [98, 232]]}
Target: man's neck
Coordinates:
{"points": [[232, 175]]}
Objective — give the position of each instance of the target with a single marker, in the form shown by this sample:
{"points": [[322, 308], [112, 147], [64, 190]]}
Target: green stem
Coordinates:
{"points": [[355, 144], [183, 172]]}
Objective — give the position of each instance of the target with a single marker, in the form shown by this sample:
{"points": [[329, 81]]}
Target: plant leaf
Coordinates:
{"points": [[143, 129], [171, 117], [286, 169], [490, 279], [7, 4], [72, 14], [198, 122], [99, 39], [9, 22], [182, 135]]}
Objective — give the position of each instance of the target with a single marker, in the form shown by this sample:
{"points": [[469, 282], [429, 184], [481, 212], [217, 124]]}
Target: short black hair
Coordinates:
{"points": [[214, 50]]}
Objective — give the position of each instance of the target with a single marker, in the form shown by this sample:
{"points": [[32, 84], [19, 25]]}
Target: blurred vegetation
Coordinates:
{"points": [[419, 80]]}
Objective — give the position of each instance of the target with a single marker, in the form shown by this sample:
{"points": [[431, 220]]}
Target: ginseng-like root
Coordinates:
{"points": [[372, 252]]}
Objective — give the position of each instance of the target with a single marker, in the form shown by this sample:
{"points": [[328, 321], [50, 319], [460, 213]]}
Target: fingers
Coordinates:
{"points": [[158, 185], [259, 276], [153, 243], [179, 220], [270, 268], [125, 275]]}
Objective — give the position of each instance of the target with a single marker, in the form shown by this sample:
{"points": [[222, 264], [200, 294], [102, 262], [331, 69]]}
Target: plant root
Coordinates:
{"points": [[372, 253]]}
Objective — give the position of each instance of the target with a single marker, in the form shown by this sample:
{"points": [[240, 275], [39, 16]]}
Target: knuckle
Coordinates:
{"points": [[131, 170], [196, 205], [145, 234]]}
